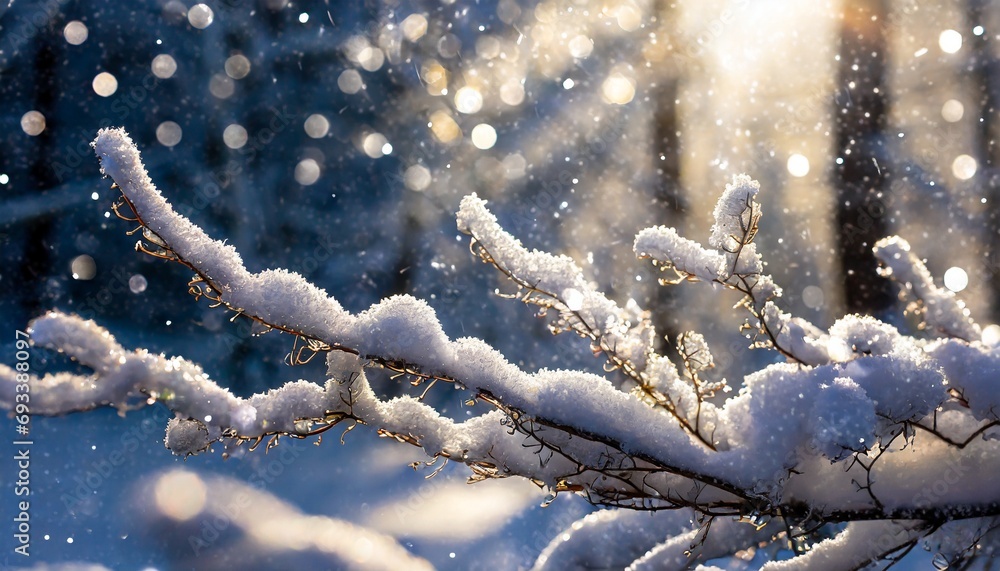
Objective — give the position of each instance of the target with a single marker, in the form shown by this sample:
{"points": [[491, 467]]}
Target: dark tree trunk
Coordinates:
{"points": [[670, 203], [38, 258], [861, 173], [667, 152]]}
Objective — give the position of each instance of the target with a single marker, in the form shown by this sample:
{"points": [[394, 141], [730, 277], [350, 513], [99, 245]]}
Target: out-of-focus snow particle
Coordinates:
{"points": [[978, 30], [180, 495], [4, 179], [950, 41], [374, 145], [435, 78], [235, 136], [445, 128], [488, 47], [371, 58], [174, 12], [991, 335], [307, 172], [83, 267], [33, 123], [952, 110], [512, 92], [201, 16], [547, 12], [303, 18], [618, 89], [964, 167], [75, 32], [237, 66], [349, 81], [813, 297], [798, 165], [169, 133], [137, 283], [317, 126], [508, 11], [581, 46], [489, 169], [417, 178], [468, 100], [414, 27], [569, 83], [449, 46], [105, 84], [629, 17], [956, 279], [221, 86], [484, 136], [164, 66], [514, 166]]}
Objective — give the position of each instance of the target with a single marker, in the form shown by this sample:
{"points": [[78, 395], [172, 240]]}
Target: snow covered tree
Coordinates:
{"points": [[861, 445]]}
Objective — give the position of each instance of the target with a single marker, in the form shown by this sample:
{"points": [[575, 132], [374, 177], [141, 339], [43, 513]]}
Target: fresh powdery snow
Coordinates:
{"points": [[861, 422]]}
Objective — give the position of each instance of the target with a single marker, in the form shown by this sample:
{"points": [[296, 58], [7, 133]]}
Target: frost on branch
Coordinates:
{"points": [[861, 421]]}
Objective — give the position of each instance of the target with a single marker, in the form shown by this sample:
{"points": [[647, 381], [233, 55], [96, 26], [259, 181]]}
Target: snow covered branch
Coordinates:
{"points": [[941, 310], [861, 423]]}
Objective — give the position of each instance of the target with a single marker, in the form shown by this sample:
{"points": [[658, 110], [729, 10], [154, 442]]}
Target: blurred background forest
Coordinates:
{"points": [[336, 138]]}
